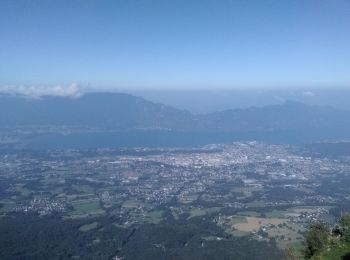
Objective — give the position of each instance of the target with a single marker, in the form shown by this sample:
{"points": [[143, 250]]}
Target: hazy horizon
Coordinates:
{"points": [[201, 101]]}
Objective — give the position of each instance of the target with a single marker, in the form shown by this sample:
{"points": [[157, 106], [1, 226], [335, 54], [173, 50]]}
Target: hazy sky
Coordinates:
{"points": [[175, 43]]}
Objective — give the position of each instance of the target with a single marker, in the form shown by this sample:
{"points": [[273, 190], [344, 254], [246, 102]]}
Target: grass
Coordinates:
{"points": [[237, 219], [276, 214], [83, 189], [246, 191], [131, 204], [290, 233], [229, 223], [23, 191], [88, 227], [52, 180], [154, 217], [249, 213], [247, 221], [238, 233], [58, 190], [86, 208], [254, 223], [7, 205], [334, 253], [256, 204], [307, 208], [197, 212]]}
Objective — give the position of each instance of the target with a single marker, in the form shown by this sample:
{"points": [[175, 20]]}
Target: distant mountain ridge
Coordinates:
{"points": [[105, 110], [124, 112], [290, 115]]}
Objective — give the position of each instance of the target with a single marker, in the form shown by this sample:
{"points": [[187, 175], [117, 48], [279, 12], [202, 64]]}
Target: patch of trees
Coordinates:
{"points": [[51, 237], [336, 184], [282, 193], [321, 238], [32, 237], [187, 241]]}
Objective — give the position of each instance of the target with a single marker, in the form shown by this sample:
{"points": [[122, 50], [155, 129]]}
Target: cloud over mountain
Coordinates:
{"points": [[72, 90], [308, 93]]}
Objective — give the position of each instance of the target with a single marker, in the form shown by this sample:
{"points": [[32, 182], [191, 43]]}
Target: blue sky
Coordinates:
{"points": [[167, 44]]}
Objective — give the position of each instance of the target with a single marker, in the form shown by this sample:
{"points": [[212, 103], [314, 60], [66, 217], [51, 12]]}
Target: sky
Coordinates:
{"points": [[175, 44]]}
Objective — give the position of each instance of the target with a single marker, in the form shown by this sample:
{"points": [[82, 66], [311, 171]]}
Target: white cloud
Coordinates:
{"points": [[308, 94], [72, 90], [279, 98]]}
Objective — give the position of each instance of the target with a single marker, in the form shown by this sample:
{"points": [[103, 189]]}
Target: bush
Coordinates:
{"points": [[345, 227], [316, 239]]}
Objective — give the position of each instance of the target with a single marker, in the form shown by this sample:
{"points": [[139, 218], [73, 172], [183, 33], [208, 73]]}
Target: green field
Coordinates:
{"points": [[287, 235], [249, 213], [86, 208], [84, 189], [132, 204], [276, 214], [238, 233], [237, 219], [22, 190], [256, 204], [154, 217], [7, 205], [196, 212], [88, 227], [246, 191]]}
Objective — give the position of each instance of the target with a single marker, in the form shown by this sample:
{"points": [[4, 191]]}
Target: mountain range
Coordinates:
{"points": [[124, 112]]}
